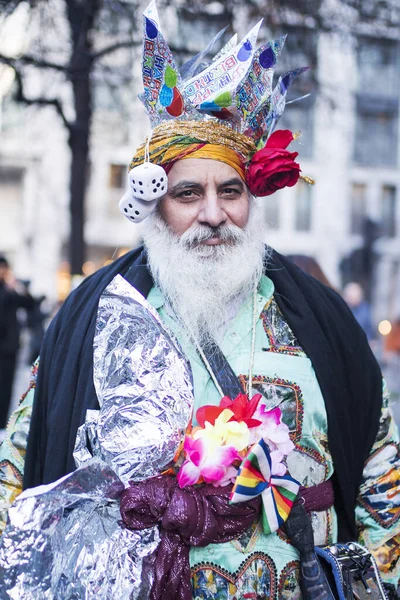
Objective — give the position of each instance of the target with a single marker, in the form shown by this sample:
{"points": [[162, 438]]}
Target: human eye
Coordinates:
{"points": [[189, 195], [231, 192]]}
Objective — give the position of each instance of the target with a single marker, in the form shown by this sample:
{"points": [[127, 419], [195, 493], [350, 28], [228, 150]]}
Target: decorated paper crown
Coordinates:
{"points": [[234, 89]]}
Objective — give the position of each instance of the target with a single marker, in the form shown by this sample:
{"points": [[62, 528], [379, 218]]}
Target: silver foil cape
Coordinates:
{"points": [[64, 541], [143, 384]]}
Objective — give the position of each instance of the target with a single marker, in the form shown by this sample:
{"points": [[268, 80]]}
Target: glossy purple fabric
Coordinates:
{"points": [[318, 497], [193, 516]]}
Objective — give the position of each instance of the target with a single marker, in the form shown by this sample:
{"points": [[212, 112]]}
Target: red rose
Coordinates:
{"points": [[273, 167]]}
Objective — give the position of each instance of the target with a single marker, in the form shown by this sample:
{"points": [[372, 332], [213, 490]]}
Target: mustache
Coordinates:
{"points": [[229, 234]]}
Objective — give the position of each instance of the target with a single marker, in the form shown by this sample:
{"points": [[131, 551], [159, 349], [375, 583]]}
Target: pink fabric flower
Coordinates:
{"points": [[272, 429], [212, 466], [277, 466]]}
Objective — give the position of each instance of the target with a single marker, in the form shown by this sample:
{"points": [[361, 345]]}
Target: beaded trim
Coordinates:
{"points": [[233, 577], [292, 350], [385, 523], [17, 473], [260, 379], [291, 567], [362, 498], [313, 454]]}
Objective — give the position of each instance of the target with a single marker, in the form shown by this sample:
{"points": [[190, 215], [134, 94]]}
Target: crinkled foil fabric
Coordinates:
{"points": [[64, 541], [143, 384]]}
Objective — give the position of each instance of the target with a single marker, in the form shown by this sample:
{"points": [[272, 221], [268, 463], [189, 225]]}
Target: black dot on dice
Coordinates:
{"points": [[162, 179], [134, 189], [153, 181], [140, 182], [125, 209], [162, 189], [136, 212], [133, 181], [141, 191], [158, 184], [133, 218], [154, 191], [130, 206]]}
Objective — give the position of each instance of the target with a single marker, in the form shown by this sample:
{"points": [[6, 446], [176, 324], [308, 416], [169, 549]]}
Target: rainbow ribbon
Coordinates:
{"points": [[278, 492]]}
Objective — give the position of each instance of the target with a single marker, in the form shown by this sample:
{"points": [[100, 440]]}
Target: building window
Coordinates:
{"points": [[377, 102], [117, 185], [303, 206], [389, 210], [117, 177], [358, 207], [272, 211], [376, 133], [378, 67]]}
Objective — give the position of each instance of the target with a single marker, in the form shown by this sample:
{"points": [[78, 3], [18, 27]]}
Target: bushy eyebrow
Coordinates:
{"points": [[235, 181], [186, 184]]}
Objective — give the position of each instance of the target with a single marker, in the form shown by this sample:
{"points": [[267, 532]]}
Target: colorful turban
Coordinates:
{"points": [[177, 140]]}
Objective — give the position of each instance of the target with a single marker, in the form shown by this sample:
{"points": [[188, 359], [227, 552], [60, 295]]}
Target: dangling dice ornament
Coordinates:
{"points": [[147, 184]]}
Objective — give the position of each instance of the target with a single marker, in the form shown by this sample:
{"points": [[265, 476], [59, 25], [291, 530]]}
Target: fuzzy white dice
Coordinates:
{"points": [[148, 182], [134, 209]]}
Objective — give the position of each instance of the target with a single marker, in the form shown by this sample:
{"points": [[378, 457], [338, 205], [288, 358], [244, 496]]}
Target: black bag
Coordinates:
{"points": [[351, 572]]}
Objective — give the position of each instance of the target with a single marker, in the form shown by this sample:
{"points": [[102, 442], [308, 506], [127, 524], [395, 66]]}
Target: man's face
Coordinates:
{"points": [[204, 192]]}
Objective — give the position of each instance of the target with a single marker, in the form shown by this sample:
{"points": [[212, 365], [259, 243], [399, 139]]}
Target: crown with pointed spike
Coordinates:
{"points": [[235, 87]]}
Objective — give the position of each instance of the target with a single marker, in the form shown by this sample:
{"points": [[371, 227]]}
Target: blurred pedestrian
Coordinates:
{"points": [[10, 301], [353, 294]]}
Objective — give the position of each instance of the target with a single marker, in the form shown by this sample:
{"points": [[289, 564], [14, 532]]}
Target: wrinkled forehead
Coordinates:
{"points": [[202, 171]]}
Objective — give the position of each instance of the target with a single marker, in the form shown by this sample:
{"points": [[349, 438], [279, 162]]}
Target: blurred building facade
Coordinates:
{"points": [[349, 145]]}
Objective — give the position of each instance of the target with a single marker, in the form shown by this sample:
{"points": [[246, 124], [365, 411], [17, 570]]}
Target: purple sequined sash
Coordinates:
{"points": [[194, 516]]}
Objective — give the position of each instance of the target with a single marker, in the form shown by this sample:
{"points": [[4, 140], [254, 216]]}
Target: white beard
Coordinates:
{"points": [[206, 285]]}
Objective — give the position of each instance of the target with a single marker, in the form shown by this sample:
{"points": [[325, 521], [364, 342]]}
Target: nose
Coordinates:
{"points": [[212, 212]]}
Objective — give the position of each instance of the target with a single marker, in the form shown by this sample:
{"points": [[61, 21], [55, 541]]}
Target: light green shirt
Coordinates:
{"points": [[284, 375]]}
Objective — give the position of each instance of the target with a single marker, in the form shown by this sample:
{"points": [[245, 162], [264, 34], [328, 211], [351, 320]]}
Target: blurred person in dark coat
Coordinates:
{"points": [[10, 301], [353, 294]]}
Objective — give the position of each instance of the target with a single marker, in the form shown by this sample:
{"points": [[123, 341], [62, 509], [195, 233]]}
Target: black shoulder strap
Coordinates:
{"points": [[222, 370]]}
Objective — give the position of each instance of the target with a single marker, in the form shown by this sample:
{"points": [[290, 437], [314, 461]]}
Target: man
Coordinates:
{"points": [[354, 296], [10, 302], [249, 322]]}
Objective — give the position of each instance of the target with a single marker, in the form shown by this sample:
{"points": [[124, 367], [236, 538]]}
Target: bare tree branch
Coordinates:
{"points": [[27, 59], [108, 49], [40, 101]]}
